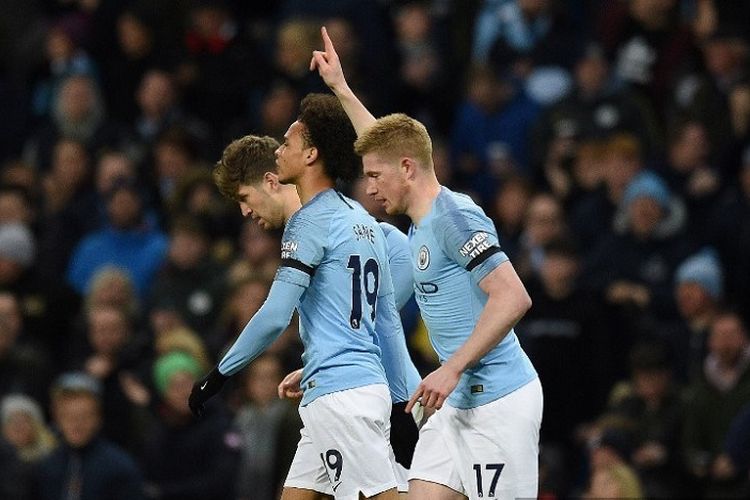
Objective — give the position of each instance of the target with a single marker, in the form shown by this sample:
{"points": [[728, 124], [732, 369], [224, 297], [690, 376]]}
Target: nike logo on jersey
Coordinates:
{"points": [[204, 385]]}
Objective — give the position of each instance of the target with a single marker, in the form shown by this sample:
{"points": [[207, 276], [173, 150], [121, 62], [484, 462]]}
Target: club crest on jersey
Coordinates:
{"points": [[477, 244], [423, 258]]}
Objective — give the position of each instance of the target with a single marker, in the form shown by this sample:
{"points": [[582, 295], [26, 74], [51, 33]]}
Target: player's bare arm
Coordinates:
{"points": [[329, 68], [507, 302]]}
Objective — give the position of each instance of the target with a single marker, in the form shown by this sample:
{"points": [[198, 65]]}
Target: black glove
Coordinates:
{"points": [[205, 389]]}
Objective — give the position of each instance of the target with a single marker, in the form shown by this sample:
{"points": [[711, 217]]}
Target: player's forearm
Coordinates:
{"points": [[360, 117], [264, 327], [500, 315]]}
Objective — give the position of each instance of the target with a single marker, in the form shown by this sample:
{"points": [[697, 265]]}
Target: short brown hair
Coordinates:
{"points": [[244, 162], [395, 135]]}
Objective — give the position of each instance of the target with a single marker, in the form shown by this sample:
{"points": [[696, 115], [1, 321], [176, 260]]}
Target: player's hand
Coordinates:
{"points": [[435, 388], [289, 387], [205, 389], [327, 63]]}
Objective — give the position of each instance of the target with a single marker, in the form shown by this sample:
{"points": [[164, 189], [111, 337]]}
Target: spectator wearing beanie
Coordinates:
{"points": [[699, 289], [184, 458]]}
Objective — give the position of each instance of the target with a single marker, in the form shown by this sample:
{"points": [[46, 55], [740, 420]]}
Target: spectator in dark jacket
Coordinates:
{"points": [[85, 466]]}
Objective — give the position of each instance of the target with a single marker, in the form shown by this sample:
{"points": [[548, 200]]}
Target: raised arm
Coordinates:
{"points": [[329, 68]]}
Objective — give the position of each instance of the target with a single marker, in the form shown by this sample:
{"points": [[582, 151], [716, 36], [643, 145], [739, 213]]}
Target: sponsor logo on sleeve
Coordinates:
{"points": [[478, 243], [288, 249]]}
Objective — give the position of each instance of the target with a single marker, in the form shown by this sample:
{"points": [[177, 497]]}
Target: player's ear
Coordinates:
{"points": [[312, 155], [271, 180], [408, 167]]}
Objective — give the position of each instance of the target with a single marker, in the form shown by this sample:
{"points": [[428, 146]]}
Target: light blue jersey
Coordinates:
{"points": [[399, 258], [335, 249], [403, 380], [454, 246]]}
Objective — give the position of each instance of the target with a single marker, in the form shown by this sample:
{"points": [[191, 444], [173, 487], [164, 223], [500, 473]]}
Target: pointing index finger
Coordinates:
{"points": [[327, 41]]}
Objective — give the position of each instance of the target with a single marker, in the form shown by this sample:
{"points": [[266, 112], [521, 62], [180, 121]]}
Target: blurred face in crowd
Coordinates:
{"points": [[133, 36], [257, 245], [559, 270], [187, 249], [692, 299], [69, 164], [172, 161], [78, 417], [278, 108], [77, 98], [124, 209], [156, 93], [511, 204], [108, 330], [14, 207], [724, 56], [247, 299], [591, 74], [178, 391], [619, 169], [19, 429], [10, 312], [727, 339], [645, 215], [413, 23], [651, 385], [113, 166], [59, 45], [111, 288], [691, 149], [544, 219]]}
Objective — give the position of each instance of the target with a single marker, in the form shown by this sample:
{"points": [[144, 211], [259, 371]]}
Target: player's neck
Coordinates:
{"points": [[310, 185], [291, 202], [422, 199]]}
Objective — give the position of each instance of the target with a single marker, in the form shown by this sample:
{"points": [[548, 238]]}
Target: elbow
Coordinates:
{"points": [[523, 304]]}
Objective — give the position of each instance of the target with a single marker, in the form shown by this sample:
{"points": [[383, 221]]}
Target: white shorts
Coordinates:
{"points": [[344, 447], [486, 452]]}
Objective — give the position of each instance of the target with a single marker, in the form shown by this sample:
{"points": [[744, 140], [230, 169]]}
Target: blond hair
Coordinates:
{"points": [[397, 135]]}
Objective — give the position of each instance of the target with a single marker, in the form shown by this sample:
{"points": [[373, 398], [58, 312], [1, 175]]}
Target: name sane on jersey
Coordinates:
{"points": [[364, 232]]}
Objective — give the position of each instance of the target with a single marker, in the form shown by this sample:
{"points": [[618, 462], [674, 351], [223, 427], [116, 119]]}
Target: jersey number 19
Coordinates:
{"points": [[363, 277]]}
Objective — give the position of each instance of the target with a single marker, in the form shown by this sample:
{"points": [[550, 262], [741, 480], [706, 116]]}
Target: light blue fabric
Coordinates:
{"points": [[453, 248], [140, 253]]}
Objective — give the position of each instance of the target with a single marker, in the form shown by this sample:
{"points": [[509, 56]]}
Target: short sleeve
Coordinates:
{"points": [[468, 237], [302, 247]]}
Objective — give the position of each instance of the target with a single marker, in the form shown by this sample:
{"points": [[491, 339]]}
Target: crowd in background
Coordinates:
{"points": [[607, 140]]}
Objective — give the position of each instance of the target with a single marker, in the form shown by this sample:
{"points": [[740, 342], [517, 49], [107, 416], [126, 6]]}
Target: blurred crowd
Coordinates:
{"points": [[608, 141]]}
